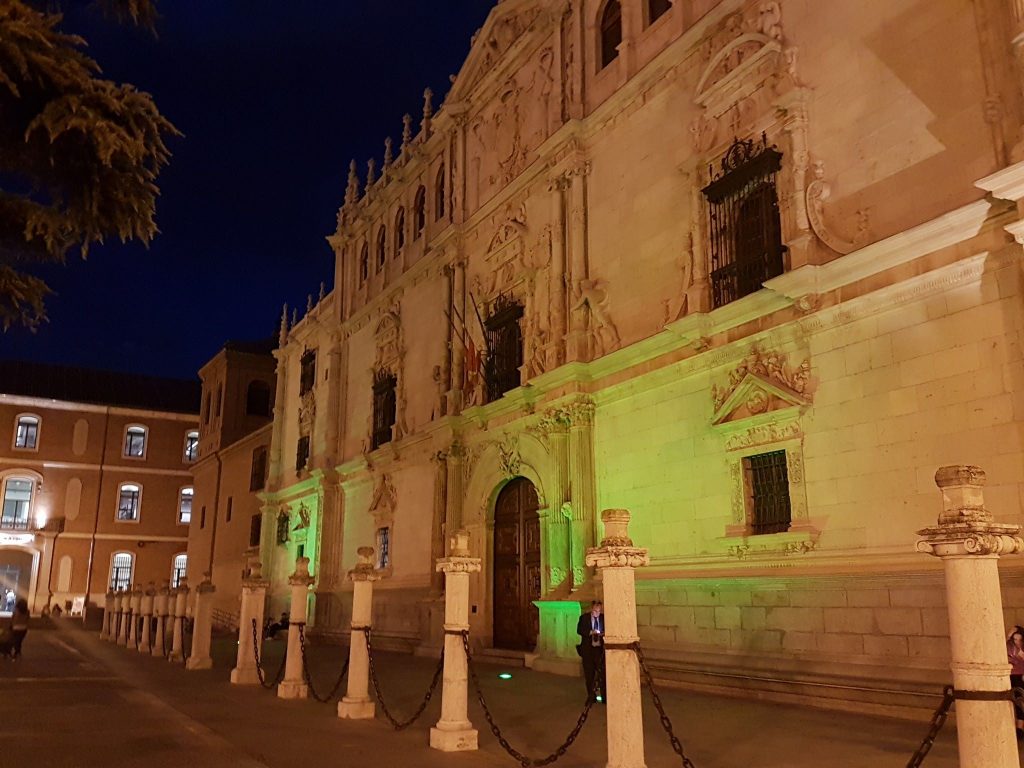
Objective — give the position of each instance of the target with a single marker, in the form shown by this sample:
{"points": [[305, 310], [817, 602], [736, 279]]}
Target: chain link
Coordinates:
{"points": [[938, 720], [677, 745], [259, 664], [516, 755], [309, 680], [400, 725]]}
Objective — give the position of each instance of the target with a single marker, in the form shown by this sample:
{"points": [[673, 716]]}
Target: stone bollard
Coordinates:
{"points": [[454, 732], [177, 641], [125, 616], [254, 596], [146, 628], [108, 614], [294, 684], [357, 704], [969, 543], [160, 612], [202, 626], [135, 605], [617, 559]]}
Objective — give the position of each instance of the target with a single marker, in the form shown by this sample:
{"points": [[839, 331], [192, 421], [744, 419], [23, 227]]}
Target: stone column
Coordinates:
{"points": [[202, 627], [454, 732], [357, 704], [254, 600], [108, 614], [294, 684], [578, 344], [135, 605], [124, 614], [617, 559], [582, 487], [453, 487], [160, 611], [180, 600], [556, 285], [969, 543], [146, 628]]}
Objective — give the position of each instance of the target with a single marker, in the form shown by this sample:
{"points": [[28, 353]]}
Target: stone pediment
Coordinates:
{"points": [[754, 396], [506, 25]]}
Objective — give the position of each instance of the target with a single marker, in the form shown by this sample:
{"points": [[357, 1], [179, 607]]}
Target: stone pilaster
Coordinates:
{"points": [[357, 704], [453, 502], [969, 543], [617, 559], [582, 487], [454, 732], [556, 275], [180, 595], [578, 342], [202, 627]]}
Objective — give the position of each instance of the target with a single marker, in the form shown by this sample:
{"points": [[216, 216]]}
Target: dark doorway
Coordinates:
{"points": [[516, 566]]}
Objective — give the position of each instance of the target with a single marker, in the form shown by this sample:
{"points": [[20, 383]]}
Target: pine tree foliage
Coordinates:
{"points": [[79, 155]]}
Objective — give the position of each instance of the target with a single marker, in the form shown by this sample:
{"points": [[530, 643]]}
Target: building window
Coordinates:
{"points": [[202, 516], [220, 399], [611, 32], [745, 232], [257, 399], [26, 433], [135, 442], [364, 263], [185, 506], [767, 482], [230, 509], [419, 213], [384, 383], [399, 230], [302, 453], [504, 353], [307, 372], [128, 502], [206, 408], [656, 9], [382, 247], [121, 571], [383, 548], [440, 194], [17, 503], [191, 445], [255, 529], [258, 472], [178, 568]]}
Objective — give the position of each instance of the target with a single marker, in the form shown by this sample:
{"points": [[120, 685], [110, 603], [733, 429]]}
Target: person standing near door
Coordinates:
{"points": [[590, 628]]}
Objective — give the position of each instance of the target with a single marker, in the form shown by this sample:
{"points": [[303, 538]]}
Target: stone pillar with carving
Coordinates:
{"points": [[969, 542], [146, 628], [252, 608], [108, 614], [180, 595], [357, 704], [793, 107], [126, 617], [136, 607], [453, 501], [160, 612], [556, 274], [582, 485], [617, 559], [293, 686], [578, 342], [454, 732], [202, 627]]}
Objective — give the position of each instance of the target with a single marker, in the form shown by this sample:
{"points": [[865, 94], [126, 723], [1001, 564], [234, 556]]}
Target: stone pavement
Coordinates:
{"points": [[76, 702]]}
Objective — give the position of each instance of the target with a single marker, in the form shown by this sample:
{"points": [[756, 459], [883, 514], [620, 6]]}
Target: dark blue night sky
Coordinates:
{"points": [[274, 98]]}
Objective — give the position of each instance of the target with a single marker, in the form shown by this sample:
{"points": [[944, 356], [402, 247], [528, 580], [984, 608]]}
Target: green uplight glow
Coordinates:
{"points": [[505, 676], [600, 698]]}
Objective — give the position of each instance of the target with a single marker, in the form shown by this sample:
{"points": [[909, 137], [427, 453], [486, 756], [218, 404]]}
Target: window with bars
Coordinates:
{"points": [[185, 506], [192, 446], [302, 453], [121, 571], [744, 226], [178, 569], [258, 473], [384, 404], [17, 503], [135, 442], [383, 547], [128, 502], [307, 371], [504, 347], [767, 481], [27, 432]]}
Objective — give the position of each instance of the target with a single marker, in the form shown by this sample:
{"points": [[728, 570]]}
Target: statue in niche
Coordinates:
{"points": [[593, 298]]}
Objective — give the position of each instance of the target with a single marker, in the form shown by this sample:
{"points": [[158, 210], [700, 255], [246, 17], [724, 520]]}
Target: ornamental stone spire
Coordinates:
{"points": [[406, 131], [352, 189], [428, 113]]}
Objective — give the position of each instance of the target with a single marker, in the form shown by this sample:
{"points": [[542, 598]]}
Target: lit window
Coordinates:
{"points": [[178, 570], [17, 503], [121, 571], [192, 446], [135, 442], [611, 32], [185, 506], [128, 502], [27, 433], [383, 548]]}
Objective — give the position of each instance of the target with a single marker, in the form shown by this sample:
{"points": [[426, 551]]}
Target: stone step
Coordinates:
{"points": [[501, 656]]}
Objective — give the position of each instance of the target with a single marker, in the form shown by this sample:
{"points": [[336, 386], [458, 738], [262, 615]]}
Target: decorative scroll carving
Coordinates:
{"points": [[818, 191], [762, 434], [508, 451], [771, 366]]}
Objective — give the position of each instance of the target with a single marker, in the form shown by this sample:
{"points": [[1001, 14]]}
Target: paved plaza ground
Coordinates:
{"points": [[74, 701]]}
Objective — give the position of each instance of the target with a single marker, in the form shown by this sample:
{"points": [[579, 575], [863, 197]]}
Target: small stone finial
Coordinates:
{"points": [[428, 112], [406, 131], [963, 500], [352, 189], [295, 317], [322, 291], [371, 173], [616, 528], [282, 335], [389, 153], [458, 544], [309, 302]]}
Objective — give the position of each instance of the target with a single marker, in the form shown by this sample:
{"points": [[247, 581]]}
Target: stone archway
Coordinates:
{"points": [[516, 559]]}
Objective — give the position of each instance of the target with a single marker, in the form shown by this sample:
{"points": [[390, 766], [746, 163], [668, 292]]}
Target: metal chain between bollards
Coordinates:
{"points": [[400, 725], [259, 666], [308, 678], [512, 751], [938, 720], [666, 723]]}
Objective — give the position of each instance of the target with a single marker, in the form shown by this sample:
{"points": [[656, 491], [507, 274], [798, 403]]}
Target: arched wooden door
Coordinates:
{"points": [[516, 566]]}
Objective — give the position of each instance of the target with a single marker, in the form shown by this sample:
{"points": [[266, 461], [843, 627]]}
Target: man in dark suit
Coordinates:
{"points": [[590, 628]]}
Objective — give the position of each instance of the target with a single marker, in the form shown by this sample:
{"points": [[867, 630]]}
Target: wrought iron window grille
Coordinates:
{"points": [[307, 371], [384, 406], [768, 485], [744, 223], [504, 354]]}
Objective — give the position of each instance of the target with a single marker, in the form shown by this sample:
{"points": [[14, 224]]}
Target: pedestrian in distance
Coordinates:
{"points": [[590, 628], [1015, 655], [19, 627]]}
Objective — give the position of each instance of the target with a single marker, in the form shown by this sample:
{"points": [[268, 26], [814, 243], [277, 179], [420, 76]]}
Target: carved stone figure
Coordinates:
{"points": [[593, 299]]}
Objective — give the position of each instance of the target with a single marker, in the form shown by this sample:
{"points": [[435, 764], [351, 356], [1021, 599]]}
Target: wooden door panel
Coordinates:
{"points": [[516, 566]]}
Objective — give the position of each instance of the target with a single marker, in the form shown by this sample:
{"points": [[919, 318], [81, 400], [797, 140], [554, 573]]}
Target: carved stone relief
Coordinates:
{"points": [[508, 452], [769, 366], [818, 191], [592, 303]]}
